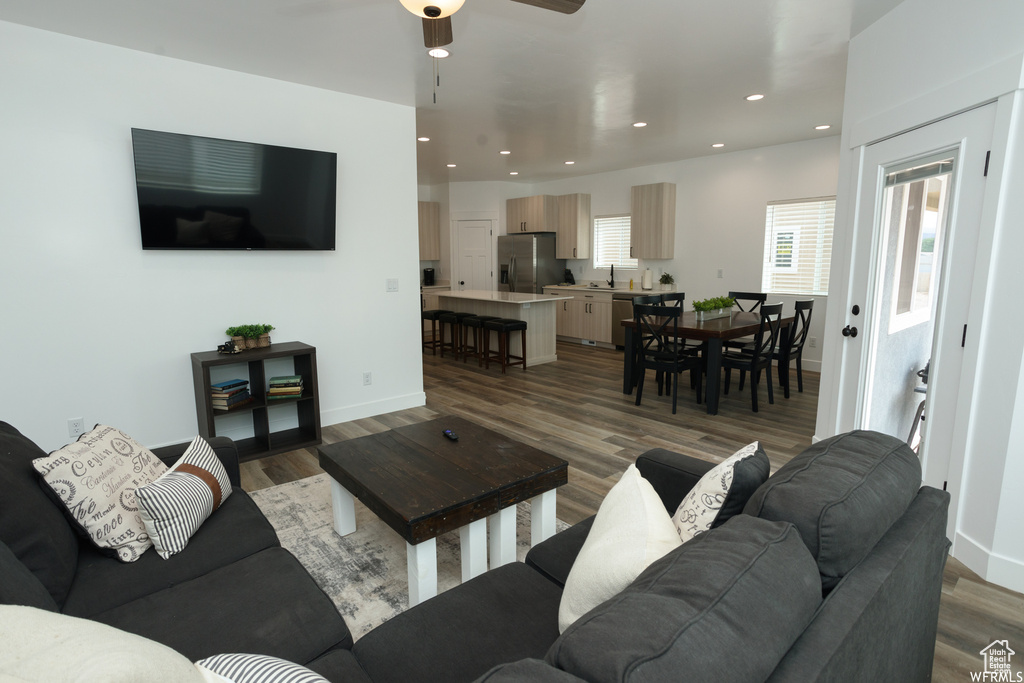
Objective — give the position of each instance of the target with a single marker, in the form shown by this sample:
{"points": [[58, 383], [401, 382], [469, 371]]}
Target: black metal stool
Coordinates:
{"points": [[454, 322], [504, 327], [481, 337], [435, 341]]}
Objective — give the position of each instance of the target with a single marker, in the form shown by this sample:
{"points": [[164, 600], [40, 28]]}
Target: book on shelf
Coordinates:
{"points": [[227, 394], [285, 390], [236, 404], [286, 381], [278, 397], [230, 384], [240, 397]]}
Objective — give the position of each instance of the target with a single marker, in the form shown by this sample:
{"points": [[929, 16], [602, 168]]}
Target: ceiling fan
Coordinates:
{"points": [[437, 15]]}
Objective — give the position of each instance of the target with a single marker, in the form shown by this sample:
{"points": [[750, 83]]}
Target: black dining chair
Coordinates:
{"points": [[663, 351], [797, 337], [757, 358], [747, 302]]}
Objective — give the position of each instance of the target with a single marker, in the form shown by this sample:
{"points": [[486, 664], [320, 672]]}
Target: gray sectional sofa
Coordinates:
{"points": [[832, 572]]}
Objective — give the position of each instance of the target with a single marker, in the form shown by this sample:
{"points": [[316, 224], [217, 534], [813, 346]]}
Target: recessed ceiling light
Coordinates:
{"points": [[754, 98], [504, 151], [423, 139], [513, 172], [718, 144], [451, 165], [569, 163], [639, 124], [823, 127], [438, 53]]}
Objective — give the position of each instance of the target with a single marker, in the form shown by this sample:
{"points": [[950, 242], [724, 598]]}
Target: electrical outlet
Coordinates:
{"points": [[367, 379], [813, 341], [76, 426]]}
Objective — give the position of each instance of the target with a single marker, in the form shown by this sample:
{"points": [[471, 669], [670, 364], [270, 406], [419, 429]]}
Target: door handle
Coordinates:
{"points": [[849, 331]]}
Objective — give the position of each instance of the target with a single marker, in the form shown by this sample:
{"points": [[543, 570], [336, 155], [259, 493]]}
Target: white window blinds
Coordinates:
{"points": [[198, 164], [611, 242], [798, 246]]}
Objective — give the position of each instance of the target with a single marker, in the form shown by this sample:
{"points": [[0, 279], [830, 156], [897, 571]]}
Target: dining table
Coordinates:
{"points": [[712, 334]]}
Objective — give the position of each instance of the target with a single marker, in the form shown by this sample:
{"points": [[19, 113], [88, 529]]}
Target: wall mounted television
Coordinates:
{"points": [[206, 193]]}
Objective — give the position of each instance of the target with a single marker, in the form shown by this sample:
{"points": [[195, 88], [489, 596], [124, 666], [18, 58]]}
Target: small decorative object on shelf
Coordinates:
{"points": [[229, 347], [666, 281], [715, 307], [250, 336]]}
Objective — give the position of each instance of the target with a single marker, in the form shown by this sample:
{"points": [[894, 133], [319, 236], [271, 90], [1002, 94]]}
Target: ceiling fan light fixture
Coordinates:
{"points": [[438, 53], [432, 9]]}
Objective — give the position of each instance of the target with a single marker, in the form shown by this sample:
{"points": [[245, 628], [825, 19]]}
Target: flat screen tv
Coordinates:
{"points": [[205, 193]]}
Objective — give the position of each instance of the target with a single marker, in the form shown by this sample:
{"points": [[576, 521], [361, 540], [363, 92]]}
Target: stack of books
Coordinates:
{"points": [[285, 386], [229, 394]]}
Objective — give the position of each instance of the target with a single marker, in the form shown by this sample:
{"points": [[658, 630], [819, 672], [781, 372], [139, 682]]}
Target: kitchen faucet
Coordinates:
{"points": [[611, 283]]}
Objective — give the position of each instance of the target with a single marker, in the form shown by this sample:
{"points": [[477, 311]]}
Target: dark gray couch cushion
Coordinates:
{"points": [[842, 493], [554, 557], [235, 530], [19, 586], [30, 524], [532, 670], [339, 665], [264, 604], [725, 606], [503, 615]]}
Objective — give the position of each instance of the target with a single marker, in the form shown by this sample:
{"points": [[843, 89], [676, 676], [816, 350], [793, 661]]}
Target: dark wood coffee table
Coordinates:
{"points": [[423, 485]]}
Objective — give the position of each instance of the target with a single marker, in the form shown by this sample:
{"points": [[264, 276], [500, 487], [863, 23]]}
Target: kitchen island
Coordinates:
{"points": [[538, 310]]}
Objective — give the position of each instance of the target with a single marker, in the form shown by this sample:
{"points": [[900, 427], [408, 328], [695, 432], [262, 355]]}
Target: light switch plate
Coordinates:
{"points": [[392, 284]]}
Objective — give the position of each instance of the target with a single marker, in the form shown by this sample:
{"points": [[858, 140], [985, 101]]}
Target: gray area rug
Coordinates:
{"points": [[364, 573]]}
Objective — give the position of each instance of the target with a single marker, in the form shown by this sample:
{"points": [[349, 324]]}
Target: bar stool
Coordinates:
{"points": [[435, 341], [480, 337], [454, 322], [504, 327]]}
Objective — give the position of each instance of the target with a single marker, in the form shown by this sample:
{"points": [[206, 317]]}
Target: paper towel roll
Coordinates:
{"points": [[648, 280]]}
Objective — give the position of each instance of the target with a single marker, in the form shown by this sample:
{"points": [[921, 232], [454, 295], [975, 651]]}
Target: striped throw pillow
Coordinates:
{"points": [[175, 505], [243, 668]]}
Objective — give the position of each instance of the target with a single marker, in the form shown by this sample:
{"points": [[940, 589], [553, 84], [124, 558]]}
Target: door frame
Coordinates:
{"points": [[453, 257]]}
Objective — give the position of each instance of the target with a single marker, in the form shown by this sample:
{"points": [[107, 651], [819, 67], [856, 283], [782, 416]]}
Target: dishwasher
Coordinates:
{"points": [[622, 307]]}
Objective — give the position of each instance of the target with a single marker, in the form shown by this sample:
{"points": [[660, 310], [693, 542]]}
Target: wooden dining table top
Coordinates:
{"points": [[738, 324]]}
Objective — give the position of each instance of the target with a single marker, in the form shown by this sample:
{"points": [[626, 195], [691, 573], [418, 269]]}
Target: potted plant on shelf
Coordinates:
{"points": [[715, 307], [250, 336], [666, 281]]}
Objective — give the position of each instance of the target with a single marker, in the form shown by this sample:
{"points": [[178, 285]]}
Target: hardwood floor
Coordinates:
{"points": [[575, 409]]}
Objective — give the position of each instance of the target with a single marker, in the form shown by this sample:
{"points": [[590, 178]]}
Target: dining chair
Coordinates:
{"points": [[747, 302], [757, 358], [797, 337], [663, 351]]}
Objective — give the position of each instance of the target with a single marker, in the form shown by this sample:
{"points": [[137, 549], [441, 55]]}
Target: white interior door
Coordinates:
{"points": [[473, 255], [923, 185]]}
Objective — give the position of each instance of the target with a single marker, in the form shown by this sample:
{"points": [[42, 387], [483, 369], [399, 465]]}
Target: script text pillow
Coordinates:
{"points": [[96, 478], [174, 506], [722, 492], [632, 529], [245, 668]]}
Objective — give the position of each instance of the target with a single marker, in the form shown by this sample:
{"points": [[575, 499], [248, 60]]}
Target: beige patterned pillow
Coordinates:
{"points": [[96, 478]]}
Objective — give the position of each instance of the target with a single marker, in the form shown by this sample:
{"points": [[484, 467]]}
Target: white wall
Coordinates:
{"points": [[94, 326], [892, 87], [720, 213]]}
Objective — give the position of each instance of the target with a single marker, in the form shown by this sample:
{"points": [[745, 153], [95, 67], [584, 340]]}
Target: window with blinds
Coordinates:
{"points": [[798, 246], [197, 164], [611, 242]]}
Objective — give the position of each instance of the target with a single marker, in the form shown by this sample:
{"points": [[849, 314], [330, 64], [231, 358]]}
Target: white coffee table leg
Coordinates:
{"points": [[503, 536], [343, 506], [542, 517], [422, 559], [473, 541]]}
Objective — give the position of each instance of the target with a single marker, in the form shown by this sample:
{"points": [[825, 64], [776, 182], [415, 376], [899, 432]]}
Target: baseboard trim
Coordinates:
{"points": [[358, 412], [994, 568]]}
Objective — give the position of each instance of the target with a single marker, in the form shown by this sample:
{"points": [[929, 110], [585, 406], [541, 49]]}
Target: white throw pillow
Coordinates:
{"points": [[96, 478], [632, 529], [175, 505], [36, 645], [701, 506]]}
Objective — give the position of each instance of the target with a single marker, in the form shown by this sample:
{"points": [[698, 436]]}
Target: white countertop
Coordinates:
{"points": [[503, 297]]}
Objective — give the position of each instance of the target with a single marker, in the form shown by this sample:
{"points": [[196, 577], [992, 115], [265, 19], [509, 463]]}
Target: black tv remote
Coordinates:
{"points": [[451, 435]]}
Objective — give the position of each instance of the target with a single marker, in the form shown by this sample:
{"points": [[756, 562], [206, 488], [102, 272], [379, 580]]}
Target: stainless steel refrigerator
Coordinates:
{"points": [[527, 263]]}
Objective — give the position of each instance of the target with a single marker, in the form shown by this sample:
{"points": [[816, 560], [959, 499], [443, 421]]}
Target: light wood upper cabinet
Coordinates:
{"points": [[430, 231], [653, 221], [532, 214], [573, 238]]}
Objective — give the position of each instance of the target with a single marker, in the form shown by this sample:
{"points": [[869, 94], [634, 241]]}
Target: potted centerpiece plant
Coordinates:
{"points": [[250, 336], [666, 281], [715, 307]]}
